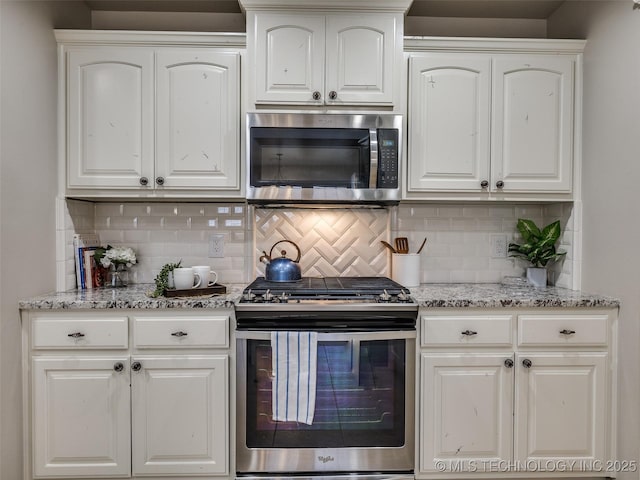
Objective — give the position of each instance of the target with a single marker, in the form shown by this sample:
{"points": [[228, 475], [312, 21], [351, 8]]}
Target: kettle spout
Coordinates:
{"points": [[265, 258]]}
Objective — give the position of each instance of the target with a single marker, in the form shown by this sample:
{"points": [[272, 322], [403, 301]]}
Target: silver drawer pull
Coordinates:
{"points": [[76, 335], [469, 333], [567, 332], [179, 334]]}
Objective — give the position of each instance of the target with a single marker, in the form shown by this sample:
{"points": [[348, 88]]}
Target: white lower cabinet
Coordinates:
{"points": [[101, 407], [179, 415], [561, 407], [81, 416], [466, 409], [532, 396]]}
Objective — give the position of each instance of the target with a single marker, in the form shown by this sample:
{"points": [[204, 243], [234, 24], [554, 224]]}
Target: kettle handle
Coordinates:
{"points": [[287, 241]]}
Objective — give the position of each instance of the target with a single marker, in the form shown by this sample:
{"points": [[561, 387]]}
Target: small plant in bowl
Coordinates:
{"points": [[539, 248]]}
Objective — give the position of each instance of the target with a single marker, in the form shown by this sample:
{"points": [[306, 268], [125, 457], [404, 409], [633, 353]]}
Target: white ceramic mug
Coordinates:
{"points": [[207, 276], [185, 278]]}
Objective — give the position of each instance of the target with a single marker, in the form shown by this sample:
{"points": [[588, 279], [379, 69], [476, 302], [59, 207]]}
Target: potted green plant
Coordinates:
{"points": [[539, 248]]}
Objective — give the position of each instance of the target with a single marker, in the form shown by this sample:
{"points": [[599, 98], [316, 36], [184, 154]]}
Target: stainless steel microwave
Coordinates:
{"points": [[323, 158]]}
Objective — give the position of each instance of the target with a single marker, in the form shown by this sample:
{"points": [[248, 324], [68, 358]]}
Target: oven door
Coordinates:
{"points": [[364, 414]]}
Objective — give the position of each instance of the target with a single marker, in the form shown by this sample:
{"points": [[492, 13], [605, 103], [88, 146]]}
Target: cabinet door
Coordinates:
{"points": [[110, 117], [360, 53], [532, 140], [289, 58], [81, 417], [466, 409], [180, 415], [561, 407], [449, 121], [198, 109]]}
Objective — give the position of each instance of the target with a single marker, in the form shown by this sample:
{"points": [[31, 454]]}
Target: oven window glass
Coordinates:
{"points": [[310, 157], [360, 397]]}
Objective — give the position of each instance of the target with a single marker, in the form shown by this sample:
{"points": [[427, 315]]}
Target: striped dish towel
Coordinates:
{"points": [[294, 363]]}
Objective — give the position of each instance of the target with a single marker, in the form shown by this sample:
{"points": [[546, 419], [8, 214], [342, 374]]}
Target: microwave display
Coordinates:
{"points": [[310, 157]]}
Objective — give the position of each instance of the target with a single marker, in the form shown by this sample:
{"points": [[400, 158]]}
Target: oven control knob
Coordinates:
{"points": [[248, 297], [403, 297], [284, 298], [268, 296], [384, 296]]}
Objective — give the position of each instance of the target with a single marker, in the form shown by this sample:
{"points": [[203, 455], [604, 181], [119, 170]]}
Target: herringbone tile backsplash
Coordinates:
{"points": [[334, 242]]}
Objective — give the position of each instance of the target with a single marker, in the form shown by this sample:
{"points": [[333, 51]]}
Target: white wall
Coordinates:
{"points": [[611, 179], [28, 173]]}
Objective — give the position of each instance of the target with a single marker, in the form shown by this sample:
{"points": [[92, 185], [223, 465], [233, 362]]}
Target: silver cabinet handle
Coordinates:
{"points": [[469, 333], [316, 95], [527, 363], [76, 335], [144, 181], [508, 363], [333, 95], [499, 184], [567, 332], [118, 367], [136, 366], [160, 180], [179, 334], [484, 183]]}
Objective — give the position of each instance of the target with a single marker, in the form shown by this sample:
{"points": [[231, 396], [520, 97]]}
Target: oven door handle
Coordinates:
{"points": [[336, 336]]}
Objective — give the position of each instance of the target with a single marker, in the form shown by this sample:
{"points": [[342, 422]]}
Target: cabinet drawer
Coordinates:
{"points": [[467, 330], [80, 333], [181, 332], [587, 329]]}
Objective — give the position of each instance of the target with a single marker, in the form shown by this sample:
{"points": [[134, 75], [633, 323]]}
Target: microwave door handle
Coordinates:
{"points": [[373, 146]]}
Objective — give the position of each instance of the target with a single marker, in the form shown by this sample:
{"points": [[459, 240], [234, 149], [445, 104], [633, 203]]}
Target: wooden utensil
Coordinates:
{"points": [[402, 245], [422, 246], [389, 246]]}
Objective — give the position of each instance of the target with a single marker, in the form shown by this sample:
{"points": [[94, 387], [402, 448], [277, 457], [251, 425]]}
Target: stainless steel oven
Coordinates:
{"points": [[364, 406]]}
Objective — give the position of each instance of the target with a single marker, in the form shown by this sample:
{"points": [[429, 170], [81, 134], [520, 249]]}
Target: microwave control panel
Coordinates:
{"points": [[387, 158]]}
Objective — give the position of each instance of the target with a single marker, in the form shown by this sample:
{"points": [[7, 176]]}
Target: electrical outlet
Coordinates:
{"points": [[498, 246], [216, 245]]}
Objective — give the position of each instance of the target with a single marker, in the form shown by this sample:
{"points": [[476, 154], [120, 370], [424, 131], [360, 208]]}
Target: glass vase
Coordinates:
{"points": [[118, 276]]}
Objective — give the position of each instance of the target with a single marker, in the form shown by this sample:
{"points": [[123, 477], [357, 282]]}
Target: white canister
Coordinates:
{"points": [[405, 269]]}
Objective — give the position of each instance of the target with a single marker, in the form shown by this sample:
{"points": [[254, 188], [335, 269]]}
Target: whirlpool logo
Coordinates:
{"points": [[326, 459]]}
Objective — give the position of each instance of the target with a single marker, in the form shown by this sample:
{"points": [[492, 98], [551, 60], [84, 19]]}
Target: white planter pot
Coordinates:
{"points": [[537, 276]]}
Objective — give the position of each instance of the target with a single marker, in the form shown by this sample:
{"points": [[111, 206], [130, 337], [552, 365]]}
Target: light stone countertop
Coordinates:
{"points": [[462, 295], [498, 295], [133, 296]]}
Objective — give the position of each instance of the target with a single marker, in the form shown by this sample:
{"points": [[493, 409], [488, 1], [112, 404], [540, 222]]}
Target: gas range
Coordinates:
{"points": [[326, 291], [332, 303]]}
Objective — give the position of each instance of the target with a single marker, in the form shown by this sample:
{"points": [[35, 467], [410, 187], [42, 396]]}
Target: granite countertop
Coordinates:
{"points": [[497, 295], [458, 295], [133, 296]]}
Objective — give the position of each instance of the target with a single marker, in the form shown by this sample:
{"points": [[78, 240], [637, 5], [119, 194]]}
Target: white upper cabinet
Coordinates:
{"points": [[197, 118], [148, 116], [449, 107], [486, 124], [110, 116], [532, 141], [335, 59], [289, 58]]}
